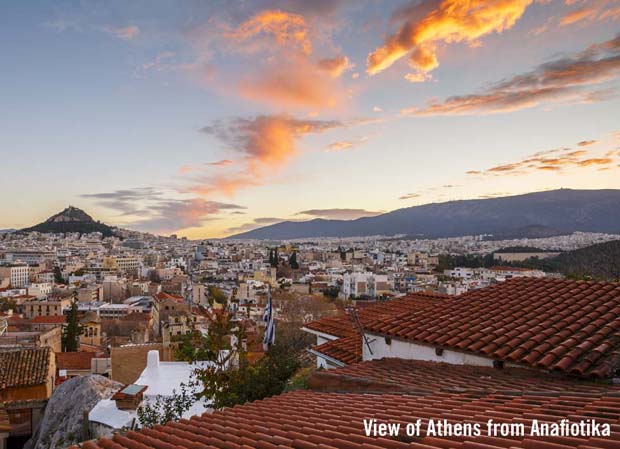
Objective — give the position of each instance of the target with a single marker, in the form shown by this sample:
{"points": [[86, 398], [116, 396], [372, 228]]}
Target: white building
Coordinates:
{"points": [[18, 275], [365, 284], [162, 379]]}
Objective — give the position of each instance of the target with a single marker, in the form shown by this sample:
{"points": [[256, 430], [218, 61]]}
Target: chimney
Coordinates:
{"points": [[152, 360]]}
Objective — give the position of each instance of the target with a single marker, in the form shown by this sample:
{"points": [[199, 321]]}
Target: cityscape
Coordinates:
{"points": [[322, 224]]}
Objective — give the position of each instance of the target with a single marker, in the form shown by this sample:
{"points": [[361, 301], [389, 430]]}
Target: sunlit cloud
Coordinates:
{"points": [[297, 84], [340, 213], [344, 145], [590, 11], [557, 160], [128, 32], [157, 212], [446, 22], [572, 79], [419, 77], [285, 29], [264, 145], [220, 163], [586, 143], [335, 66]]}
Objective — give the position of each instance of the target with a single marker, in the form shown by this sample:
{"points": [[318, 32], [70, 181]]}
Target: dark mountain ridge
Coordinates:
{"points": [[71, 219], [538, 214]]}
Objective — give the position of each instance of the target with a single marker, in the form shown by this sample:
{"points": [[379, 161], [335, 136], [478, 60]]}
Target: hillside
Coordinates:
{"points": [[71, 219], [600, 261], [539, 214]]}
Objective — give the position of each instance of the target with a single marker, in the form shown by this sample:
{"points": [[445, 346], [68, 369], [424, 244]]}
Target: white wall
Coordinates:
{"points": [[408, 350]]}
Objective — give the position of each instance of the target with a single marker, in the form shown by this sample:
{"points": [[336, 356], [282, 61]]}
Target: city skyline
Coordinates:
{"points": [[207, 120]]}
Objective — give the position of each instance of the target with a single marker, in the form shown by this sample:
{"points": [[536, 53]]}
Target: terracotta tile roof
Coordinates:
{"points": [[347, 349], [341, 325], [24, 367], [74, 360], [163, 296], [421, 376], [552, 324], [55, 319], [311, 420]]}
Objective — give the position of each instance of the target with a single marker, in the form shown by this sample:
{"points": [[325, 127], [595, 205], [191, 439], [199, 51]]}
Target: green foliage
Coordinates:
{"points": [[448, 261], [299, 381], [230, 379], [58, 279], [216, 295], [72, 330], [167, 408], [293, 261], [273, 258], [7, 304]]}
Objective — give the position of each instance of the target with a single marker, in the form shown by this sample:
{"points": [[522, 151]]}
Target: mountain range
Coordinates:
{"points": [[538, 214], [71, 219]]}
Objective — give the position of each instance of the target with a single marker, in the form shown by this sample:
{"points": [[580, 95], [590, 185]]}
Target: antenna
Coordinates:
{"points": [[352, 311]]}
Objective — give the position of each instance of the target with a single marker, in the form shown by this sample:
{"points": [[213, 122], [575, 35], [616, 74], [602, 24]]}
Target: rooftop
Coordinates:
{"points": [[312, 420], [417, 376], [558, 325], [24, 367]]}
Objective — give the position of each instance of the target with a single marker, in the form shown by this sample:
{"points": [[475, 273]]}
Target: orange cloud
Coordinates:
{"points": [[451, 21], [127, 33], [562, 158], [567, 80], [344, 145], [418, 77], [592, 11], [285, 28], [586, 143], [335, 66], [595, 161], [265, 143], [221, 163], [298, 83]]}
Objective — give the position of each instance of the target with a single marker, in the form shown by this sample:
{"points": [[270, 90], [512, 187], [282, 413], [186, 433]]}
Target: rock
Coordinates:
{"points": [[63, 421]]}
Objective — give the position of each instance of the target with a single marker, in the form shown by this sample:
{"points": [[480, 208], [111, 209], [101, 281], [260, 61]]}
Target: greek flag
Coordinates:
{"points": [[270, 325]]}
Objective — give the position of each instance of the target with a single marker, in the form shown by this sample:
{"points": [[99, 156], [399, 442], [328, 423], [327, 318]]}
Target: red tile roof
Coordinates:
{"points": [[163, 295], [559, 325], [74, 360], [24, 367], [311, 420], [341, 325], [347, 349], [421, 376], [350, 349]]}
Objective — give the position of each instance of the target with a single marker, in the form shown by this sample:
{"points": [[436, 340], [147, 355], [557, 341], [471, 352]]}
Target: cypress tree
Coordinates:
{"points": [[72, 330]]}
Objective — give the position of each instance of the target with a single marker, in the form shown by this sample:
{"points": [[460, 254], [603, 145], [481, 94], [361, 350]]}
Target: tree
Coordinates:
{"points": [[230, 379], [72, 330], [216, 295], [273, 258], [7, 304], [293, 261], [58, 279], [167, 408]]}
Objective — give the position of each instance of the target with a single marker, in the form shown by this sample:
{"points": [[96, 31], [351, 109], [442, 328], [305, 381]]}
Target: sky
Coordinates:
{"points": [[209, 118]]}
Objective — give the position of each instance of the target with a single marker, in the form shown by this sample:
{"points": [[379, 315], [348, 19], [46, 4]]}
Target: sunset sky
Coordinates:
{"points": [[208, 118]]}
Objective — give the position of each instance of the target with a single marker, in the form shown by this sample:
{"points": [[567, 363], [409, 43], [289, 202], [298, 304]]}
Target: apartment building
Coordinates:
{"points": [[47, 307], [18, 275]]}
